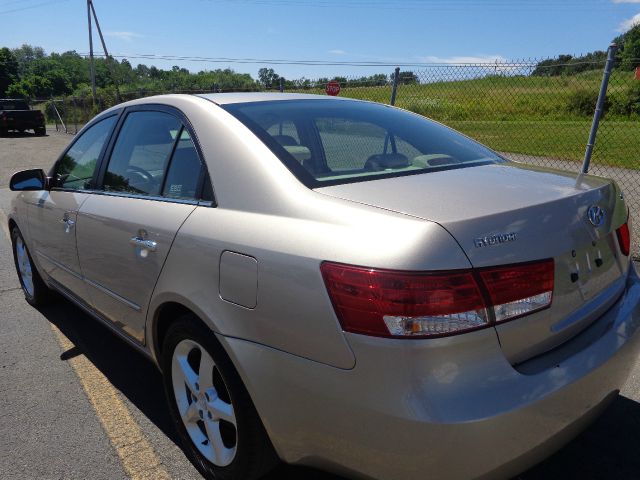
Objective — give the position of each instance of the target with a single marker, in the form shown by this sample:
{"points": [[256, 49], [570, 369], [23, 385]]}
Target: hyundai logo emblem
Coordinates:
{"points": [[596, 215]]}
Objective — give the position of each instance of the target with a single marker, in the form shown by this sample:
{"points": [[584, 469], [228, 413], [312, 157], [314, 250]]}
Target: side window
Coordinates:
{"points": [[75, 170], [184, 171], [141, 153]]}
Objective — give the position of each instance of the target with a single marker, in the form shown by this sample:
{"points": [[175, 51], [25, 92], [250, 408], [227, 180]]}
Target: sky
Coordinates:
{"points": [[401, 32]]}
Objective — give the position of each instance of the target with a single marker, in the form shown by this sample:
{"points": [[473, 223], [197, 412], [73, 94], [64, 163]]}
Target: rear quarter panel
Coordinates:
{"points": [[293, 312]]}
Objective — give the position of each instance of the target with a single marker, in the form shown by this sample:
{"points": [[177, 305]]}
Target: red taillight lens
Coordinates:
{"points": [[624, 239], [430, 304], [388, 303], [518, 290]]}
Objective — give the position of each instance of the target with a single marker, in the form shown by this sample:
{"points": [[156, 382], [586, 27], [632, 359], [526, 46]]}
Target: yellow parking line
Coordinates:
{"points": [[136, 454], [138, 457], [4, 223]]}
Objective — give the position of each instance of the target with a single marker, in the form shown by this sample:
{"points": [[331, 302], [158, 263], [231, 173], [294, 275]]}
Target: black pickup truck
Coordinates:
{"points": [[15, 114]]}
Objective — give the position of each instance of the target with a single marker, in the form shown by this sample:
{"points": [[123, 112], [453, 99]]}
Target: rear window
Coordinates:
{"points": [[329, 142], [13, 105]]}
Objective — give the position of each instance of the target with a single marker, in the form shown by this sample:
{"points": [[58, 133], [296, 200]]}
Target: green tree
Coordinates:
{"points": [[408, 78], [268, 77], [630, 49], [25, 55], [8, 69]]}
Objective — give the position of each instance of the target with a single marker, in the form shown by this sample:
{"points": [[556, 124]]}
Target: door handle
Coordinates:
{"points": [[68, 223], [142, 243]]}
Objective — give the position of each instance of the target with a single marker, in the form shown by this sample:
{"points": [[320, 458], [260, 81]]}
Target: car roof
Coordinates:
{"points": [[177, 99], [245, 97]]}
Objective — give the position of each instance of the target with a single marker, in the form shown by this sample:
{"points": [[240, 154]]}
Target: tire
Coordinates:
{"points": [[40, 131], [206, 406], [35, 290]]}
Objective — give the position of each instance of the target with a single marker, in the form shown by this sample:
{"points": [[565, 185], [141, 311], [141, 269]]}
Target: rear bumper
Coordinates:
{"points": [[21, 124], [446, 408]]}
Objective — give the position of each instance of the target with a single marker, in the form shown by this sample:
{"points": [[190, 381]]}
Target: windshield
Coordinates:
{"points": [[329, 142], [13, 105]]}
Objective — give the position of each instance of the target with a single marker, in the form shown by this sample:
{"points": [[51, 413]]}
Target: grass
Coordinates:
{"points": [[617, 144], [521, 114]]}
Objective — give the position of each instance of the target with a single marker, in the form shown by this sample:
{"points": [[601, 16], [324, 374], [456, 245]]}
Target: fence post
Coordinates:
{"points": [[281, 85], [394, 88], [599, 106], [58, 115], [75, 115]]}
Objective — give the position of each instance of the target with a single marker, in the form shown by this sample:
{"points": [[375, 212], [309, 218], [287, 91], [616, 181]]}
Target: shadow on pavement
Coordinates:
{"points": [[135, 376], [610, 448]]}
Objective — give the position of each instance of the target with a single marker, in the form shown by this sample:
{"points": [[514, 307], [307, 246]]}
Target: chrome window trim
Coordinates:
{"points": [[202, 203]]}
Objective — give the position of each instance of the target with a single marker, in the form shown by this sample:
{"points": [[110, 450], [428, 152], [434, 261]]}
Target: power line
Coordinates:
{"points": [[275, 61], [32, 6], [435, 5]]}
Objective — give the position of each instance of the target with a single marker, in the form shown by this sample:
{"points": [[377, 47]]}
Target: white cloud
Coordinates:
{"points": [[463, 59], [337, 51], [127, 36], [629, 23]]}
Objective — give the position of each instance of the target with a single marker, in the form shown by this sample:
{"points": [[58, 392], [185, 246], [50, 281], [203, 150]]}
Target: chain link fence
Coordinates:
{"points": [[536, 112]]}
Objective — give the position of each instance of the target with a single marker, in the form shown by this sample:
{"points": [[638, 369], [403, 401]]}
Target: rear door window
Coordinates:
{"points": [[185, 170], [141, 153]]}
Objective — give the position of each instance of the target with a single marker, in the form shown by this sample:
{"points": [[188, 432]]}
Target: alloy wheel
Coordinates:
{"points": [[204, 403], [24, 267]]}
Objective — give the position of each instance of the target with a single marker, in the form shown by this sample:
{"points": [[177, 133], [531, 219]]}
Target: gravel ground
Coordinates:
{"points": [[20, 152]]}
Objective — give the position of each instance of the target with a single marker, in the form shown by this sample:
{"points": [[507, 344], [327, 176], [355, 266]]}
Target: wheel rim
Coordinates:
{"points": [[24, 267], [204, 403]]}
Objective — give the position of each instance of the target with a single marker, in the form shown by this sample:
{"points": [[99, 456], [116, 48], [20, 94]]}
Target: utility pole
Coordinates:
{"points": [[92, 68], [106, 53]]}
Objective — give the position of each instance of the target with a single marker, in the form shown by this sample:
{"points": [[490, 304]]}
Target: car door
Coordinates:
{"points": [[151, 182], [53, 214]]}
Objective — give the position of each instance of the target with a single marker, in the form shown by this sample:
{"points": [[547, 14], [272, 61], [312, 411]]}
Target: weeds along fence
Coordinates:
{"points": [[530, 111]]}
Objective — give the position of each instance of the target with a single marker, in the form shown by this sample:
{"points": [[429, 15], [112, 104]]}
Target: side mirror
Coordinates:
{"points": [[29, 180]]}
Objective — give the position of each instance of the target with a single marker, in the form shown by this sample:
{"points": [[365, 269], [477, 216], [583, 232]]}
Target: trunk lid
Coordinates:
{"points": [[512, 213]]}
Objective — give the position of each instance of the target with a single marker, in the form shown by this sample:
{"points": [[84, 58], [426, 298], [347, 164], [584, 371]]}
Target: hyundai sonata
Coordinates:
{"points": [[338, 283]]}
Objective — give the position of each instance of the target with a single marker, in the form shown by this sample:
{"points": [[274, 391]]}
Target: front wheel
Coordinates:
{"points": [[210, 407], [35, 290], [40, 131]]}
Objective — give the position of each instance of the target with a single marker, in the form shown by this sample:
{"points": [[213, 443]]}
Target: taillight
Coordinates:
{"points": [[390, 303], [624, 239], [518, 290]]}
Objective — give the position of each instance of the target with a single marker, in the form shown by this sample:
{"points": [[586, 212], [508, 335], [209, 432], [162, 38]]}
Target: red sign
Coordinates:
{"points": [[332, 88], [637, 73]]}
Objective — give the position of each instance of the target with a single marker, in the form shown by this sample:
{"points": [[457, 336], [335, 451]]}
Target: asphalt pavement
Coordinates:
{"points": [[76, 402]]}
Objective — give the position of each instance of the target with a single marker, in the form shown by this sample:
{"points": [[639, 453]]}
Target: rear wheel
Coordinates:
{"points": [[210, 407], [35, 290], [40, 131]]}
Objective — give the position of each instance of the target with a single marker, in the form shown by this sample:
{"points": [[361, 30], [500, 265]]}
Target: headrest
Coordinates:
{"points": [[385, 161], [285, 140], [299, 152], [433, 160]]}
